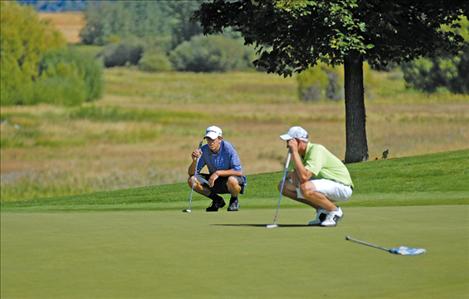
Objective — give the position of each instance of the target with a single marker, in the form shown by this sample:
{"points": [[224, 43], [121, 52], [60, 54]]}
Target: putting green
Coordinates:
{"points": [[168, 254]]}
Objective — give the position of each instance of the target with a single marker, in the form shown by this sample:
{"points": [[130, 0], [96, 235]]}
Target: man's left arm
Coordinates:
{"points": [[302, 173], [228, 172]]}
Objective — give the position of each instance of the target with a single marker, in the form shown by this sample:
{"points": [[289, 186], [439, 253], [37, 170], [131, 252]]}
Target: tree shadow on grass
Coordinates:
{"points": [[263, 225]]}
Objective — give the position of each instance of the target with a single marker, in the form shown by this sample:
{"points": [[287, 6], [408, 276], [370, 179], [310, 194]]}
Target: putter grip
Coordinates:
{"points": [[287, 162]]}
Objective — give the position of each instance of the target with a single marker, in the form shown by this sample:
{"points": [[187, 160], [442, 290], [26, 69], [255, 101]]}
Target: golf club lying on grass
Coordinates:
{"points": [[401, 250], [274, 224], [189, 209]]}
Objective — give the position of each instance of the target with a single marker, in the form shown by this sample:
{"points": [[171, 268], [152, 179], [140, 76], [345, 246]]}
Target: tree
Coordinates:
{"points": [[183, 27], [292, 35], [24, 40]]}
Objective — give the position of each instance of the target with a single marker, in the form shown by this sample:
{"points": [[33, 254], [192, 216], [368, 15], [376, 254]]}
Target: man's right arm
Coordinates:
{"points": [[301, 172], [195, 155]]}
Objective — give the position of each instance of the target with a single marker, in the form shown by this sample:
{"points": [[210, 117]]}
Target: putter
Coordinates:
{"points": [[189, 209], [401, 250], [274, 224]]}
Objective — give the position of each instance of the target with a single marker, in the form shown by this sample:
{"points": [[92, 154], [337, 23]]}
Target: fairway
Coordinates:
{"points": [[168, 254]]}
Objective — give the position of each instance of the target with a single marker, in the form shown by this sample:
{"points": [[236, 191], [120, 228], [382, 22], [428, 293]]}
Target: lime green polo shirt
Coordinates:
{"points": [[324, 165]]}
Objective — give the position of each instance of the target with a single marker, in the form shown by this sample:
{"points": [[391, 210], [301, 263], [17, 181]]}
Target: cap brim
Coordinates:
{"points": [[285, 137], [211, 135]]}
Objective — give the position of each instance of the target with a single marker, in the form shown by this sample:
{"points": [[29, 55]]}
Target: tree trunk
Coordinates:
{"points": [[355, 127]]}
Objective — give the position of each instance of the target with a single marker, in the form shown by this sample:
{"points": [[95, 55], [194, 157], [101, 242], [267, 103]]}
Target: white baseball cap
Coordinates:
{"points": [[295, 132], [213, 132]]}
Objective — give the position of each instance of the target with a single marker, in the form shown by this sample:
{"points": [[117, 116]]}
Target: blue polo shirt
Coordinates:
{"points": [[226, 158]]}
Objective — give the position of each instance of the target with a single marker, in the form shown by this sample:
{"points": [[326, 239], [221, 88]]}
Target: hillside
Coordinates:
{"points": [[436, 179], [142, 131]]}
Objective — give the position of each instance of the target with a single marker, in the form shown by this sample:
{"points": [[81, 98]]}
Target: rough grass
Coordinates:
{"points": [[142, 132]]}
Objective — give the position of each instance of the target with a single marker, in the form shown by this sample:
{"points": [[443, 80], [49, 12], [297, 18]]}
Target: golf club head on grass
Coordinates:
{"points": [[271, 225], [401, 250], [187, 211]]}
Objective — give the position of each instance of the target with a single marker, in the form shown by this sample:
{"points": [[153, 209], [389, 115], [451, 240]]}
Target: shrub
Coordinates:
{"points": [[320, 82], [210, 54], [24, 40], [76, 69], [440, 73], [154, 61], [123, 53], [69, 91], [433, 74], [64, 77], [327, 82]]}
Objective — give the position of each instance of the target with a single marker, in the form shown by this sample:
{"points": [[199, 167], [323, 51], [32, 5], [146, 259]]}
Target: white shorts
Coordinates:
{"points": [[332, 190]]}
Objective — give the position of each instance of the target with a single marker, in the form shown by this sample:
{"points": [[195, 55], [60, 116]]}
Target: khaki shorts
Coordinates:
{"points": [[331, 189]]}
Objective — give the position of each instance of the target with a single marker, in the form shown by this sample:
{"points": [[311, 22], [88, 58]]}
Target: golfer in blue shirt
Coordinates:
{"points": [[224, 167]]}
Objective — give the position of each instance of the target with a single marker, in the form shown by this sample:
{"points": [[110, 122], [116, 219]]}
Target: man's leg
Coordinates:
{"points": [[315, 198], [333, 213], [234, 188], [289, 190], [198, 187], [217, 200]]}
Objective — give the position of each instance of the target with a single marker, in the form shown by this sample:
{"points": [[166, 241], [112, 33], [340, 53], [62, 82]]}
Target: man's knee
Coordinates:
{"points": [[288, 190], [307, 189], [233, 184], [192, 182]]}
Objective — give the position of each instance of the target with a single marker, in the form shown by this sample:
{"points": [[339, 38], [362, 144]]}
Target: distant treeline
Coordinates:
{"points": [[160, 36], [55, 5], [163, 36]]}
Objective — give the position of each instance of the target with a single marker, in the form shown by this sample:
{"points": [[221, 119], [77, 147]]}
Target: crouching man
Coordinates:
{"points": [[317, 178], [225, 172]]}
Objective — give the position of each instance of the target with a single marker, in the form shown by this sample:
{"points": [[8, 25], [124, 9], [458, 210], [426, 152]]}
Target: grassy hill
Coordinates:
{"points": [[436, 179], [144, 128]]}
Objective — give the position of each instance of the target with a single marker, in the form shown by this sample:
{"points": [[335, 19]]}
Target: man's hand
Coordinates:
{"points": [[212, 179], [295, 179], [196, 154], [292, 144]]}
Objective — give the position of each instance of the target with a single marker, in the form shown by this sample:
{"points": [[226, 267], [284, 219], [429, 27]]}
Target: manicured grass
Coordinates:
{"points": [[168, 254], [436, 179], [136, 243]]}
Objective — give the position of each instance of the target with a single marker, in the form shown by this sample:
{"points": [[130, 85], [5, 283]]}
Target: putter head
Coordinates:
{"points": [[187, 211], [404, 250], [271, 225]]}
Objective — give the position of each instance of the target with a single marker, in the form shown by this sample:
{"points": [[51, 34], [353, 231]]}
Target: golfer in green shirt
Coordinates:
{"points": [[316, 178]]}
